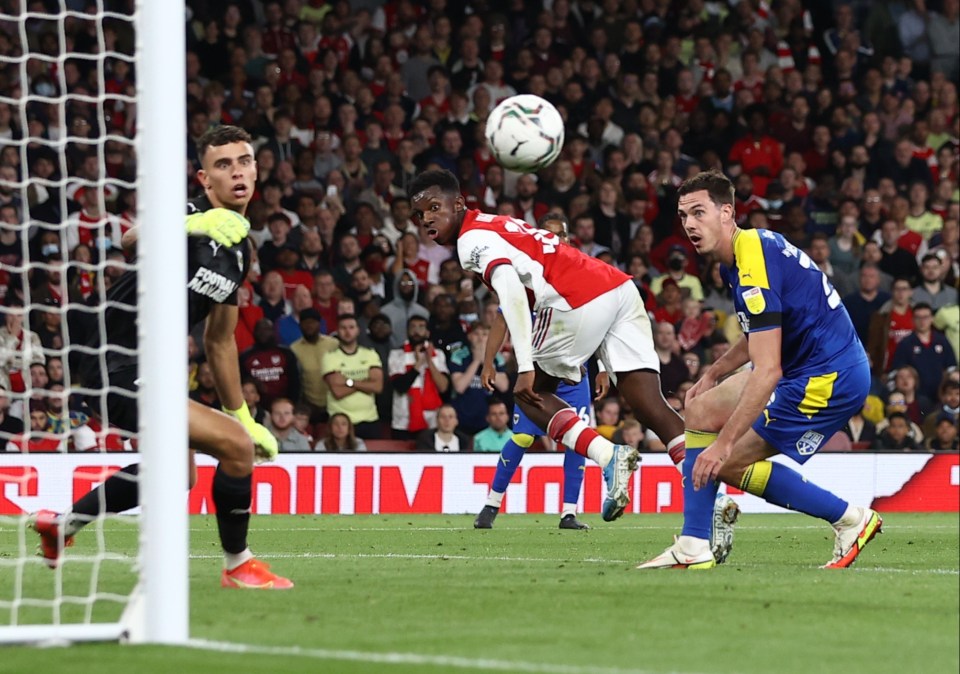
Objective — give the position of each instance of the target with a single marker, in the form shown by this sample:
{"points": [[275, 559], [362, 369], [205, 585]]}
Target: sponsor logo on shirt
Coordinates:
{"points": [[753, 298], [211, 284]]}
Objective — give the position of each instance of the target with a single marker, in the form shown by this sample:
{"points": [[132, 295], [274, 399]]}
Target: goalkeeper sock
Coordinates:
{"points": [[118, 493], [697, 504], [510, 457], [231, 496], [573, 465], [785, 487]]}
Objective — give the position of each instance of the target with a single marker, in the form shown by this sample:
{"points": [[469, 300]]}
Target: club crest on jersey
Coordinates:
{"points": [[753, 298], [809, 442]]}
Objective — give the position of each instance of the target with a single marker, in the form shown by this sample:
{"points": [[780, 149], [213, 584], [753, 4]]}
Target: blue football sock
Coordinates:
{"points": [[697, 504], [785, 487], [509, 460], [572, 475]]}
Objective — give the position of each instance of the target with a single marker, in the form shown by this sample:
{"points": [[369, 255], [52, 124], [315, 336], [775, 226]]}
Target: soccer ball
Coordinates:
{"points": [[525, 133]]}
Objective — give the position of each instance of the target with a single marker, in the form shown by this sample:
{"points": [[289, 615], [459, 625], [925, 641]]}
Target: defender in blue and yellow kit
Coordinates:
{"points": [[808, 375]]}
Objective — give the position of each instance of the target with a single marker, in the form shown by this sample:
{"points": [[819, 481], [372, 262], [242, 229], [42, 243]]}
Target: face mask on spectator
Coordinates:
{"points": [[676, 263], [469, 318], [50, 249], [774, 204]]}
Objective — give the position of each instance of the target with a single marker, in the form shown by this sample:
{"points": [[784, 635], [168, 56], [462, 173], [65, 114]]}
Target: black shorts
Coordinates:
{"points": [[121, 406]]}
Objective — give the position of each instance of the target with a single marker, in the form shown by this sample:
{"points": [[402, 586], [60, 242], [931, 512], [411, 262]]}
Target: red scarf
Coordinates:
{"points": [[422, 399]]}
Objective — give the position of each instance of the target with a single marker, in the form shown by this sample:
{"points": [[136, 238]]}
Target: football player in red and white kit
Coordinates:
{"points": [[582, 305]]}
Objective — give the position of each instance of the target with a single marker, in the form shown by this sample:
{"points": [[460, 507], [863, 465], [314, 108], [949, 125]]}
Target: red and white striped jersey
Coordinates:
{"points": [[556, 276]]}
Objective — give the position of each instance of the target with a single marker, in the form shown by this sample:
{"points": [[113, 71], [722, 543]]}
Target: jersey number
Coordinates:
{"points": [[548, 240], [833, 297]]}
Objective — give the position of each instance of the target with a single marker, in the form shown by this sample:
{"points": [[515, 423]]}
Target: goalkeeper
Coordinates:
{"points": [[218, 258]]}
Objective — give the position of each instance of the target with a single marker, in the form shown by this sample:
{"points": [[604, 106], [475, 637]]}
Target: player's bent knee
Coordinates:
{"points": [[702, 416]]}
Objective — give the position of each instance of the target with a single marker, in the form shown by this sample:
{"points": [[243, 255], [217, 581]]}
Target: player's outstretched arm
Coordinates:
{"points": [[498, 332], [221, 349]]}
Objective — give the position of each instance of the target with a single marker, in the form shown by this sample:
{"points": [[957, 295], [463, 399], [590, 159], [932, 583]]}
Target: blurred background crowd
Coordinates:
{"points": [[838, 123]]}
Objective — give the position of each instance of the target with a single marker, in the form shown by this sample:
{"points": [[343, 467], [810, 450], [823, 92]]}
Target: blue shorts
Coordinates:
{"points": [[577, 396], [804, 412]]}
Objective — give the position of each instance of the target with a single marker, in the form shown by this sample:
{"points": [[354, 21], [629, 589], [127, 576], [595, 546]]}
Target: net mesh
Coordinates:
{"points": [[67, 195]]}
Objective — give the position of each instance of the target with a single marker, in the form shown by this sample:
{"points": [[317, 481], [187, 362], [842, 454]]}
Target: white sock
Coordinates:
{"points": [[693, 546], [671, 450], [232, 561], [600, 450], [495, 498], [569, 509], [850, 517]]}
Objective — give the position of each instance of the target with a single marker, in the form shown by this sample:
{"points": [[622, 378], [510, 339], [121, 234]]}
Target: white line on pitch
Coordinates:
{"points": [[445, 661], [548, 560]]}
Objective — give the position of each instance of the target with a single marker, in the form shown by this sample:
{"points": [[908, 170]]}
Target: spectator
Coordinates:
{"points": [[931, 289], [248, 314], [860, 430], [40, 437], [926, 350], [19, 347], [948, 402], [630, 433], [820, 254], [301, 421], [275, 367], [608, 417], [349, 260], [943, 28], [403, 307], [340, 436], [469, 397], [889, 325], [944, 437], [915, 405], [251, 396], [9, 425], [497, 433], [325, 301], [896, 435], [673, 371], [676, 271], [419, 377], [758, 154], [447, 437], [288, 327], [206, 391], [698, 324], [273, 302], [444, 324], [354, 375], [947, 320], [378, 337], [282, 426], [310, 351], [669, 303]]}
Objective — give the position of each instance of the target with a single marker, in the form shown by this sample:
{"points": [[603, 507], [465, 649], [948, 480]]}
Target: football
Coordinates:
{"points": [[525, 133]]}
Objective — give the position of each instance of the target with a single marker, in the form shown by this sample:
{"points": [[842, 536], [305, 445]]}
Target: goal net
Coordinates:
{"points": [[92, 143]]}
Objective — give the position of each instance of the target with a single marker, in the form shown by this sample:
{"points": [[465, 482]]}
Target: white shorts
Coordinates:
{"points": [[614, 325]]}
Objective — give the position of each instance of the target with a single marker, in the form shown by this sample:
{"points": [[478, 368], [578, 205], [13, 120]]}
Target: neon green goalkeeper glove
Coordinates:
{"points": [[264, 444], [224, 226]]}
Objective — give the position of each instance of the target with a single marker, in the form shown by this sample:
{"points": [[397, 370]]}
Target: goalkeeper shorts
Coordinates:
{"points": [[121, 405]]}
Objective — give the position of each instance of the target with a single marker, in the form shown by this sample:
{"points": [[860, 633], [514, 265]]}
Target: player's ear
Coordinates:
{"points": [[203, 179], [459, 204]]}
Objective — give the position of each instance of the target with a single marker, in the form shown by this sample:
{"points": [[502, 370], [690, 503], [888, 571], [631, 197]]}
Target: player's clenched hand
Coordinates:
{"points": [[224, 226], [488, 375], [708, 464], [603, 385], [524, 392], [264, 444]]}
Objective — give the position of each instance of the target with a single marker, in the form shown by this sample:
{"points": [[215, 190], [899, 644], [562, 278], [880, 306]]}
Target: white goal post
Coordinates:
{"points": [[157, 610]]}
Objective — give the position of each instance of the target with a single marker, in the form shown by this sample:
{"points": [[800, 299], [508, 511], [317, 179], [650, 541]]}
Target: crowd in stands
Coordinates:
{"points": [[838, 123]]}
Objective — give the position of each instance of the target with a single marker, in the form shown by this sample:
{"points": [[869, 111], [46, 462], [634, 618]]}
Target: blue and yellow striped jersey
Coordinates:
{"points": [[777, 285]]}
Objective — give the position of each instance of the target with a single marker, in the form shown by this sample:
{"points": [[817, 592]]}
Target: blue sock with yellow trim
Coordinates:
{"points": [[697, 504], [572, 475], [785, 487], [509, 460]]}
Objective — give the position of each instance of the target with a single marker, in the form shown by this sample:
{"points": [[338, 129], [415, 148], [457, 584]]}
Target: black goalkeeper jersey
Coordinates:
{"points": [[214, 273]]}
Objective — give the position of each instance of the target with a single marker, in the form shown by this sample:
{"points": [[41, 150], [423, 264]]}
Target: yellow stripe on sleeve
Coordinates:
{"points": [[750, 261]]}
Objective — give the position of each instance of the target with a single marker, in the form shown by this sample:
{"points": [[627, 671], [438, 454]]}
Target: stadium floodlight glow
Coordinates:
{"points": [[81, 599]]}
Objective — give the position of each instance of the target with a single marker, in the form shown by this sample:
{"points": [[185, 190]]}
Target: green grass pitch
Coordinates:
{"points": [[398, 594]]}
